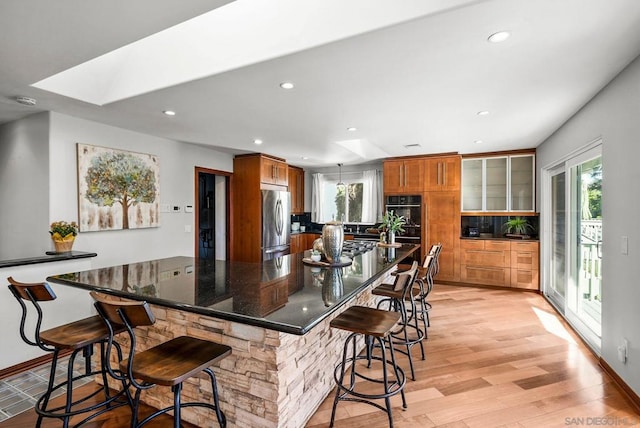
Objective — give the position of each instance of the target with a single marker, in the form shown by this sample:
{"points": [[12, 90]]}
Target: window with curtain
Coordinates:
{"points": [[358, 201]]}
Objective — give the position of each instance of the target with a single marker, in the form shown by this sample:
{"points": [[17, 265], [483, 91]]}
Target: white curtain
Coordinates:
{"points": [[371, 196], [316, 197]]}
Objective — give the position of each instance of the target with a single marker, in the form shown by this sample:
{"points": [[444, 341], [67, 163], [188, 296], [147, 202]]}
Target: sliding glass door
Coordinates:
{"points": [[574, 278], [558, 241]]}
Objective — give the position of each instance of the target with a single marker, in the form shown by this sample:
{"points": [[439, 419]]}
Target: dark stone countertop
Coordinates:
{"points": [[283, 294], [48, 258]]}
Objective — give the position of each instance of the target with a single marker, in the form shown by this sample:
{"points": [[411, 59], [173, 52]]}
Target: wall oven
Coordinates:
{"points": [[409, 206]]}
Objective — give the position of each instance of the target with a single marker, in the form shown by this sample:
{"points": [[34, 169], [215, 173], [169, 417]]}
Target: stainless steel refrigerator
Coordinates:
{"points": [[276, 222]]}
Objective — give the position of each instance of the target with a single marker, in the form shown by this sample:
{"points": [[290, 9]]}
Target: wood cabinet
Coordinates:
{"points": [[443, 173], [264, 298], [499, 183], [485, 262], [525, 266], [298, 243], [442, 214], [274, 171], [296, 188], [251, 173], [503, 263], [404, 175], [310, 237], [437, 179]]}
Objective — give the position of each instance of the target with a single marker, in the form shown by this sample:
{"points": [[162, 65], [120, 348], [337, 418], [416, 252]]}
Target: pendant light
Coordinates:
{"points": [[340, 184]]}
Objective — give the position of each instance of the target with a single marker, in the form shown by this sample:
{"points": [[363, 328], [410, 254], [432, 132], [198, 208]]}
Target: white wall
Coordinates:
{"points": [[177, 162], [72, 304], [613, 115], [56, 163], [24, 190]]}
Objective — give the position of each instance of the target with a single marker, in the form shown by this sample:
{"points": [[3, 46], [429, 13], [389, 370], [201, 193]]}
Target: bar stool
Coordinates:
{"points": [[426, 273], [78, 336], [430, 269], [375, 325], [168, 364], [397, 296]]}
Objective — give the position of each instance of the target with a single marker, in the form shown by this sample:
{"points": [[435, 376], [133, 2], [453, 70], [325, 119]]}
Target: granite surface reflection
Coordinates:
{"points": [[282, 294]]}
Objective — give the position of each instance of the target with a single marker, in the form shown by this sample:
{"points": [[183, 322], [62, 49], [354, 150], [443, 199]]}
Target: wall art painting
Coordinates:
{"points": [[117, 189]]}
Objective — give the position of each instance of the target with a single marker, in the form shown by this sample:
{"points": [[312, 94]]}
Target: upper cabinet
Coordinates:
{"points": [[443, 173], [499, 183], [296, 188], [404, 175], [274, 171]]}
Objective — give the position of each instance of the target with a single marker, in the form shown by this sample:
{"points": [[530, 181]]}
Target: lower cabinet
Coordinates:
{"points": [[502, 263], [260, 301], [525, 269], [485, 262], [298, 243]]}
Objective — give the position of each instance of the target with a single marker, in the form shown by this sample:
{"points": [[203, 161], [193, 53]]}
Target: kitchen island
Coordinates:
{"points": [[275, 315]]}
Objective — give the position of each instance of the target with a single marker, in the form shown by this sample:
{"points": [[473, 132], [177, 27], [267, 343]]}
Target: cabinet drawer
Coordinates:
{"points": [[524, 246], [524, 260], [523, 278], [497, 245], [485, 275], [485, 258], [470, 244]]}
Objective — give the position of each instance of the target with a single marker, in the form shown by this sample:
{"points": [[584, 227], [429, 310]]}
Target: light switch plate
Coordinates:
{"points": [[624, 245]]}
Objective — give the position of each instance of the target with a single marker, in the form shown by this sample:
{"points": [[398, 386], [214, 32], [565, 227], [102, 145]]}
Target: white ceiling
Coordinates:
{"points": [[414, 74]]}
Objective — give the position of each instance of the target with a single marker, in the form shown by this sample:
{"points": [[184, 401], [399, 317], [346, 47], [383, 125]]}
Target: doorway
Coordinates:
{"points": [[573, 281], [211, 214]]}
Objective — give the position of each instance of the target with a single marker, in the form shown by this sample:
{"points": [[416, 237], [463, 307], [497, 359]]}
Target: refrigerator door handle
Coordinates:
{"points": [[279, 219]]}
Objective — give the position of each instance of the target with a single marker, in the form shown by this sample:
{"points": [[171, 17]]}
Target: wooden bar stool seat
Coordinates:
{"points": [[78, 336], [175, 361], [374, 325], [168, 364]]}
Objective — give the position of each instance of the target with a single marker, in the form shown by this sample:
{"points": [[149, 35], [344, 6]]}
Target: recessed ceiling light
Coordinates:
{"points": [[482, 113], [498, 37], [169, 112], [352, 129], [257, 141], [478, 141], [305, 157], [286, 85]]}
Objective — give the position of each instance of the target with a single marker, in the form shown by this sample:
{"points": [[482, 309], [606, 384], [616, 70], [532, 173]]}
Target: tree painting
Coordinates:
{"points": [[118, 189]]}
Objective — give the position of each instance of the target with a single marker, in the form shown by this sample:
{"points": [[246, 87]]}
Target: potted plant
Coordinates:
{"points": [[392, 225], [517, 227], [63, 234], [315, 255]]}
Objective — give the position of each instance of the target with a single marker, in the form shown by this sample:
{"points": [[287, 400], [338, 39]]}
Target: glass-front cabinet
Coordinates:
{"points": [[521, 189], [498, 183]]}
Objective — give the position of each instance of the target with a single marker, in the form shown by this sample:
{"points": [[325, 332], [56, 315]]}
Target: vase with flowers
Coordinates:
{"points": [[63, 234], [392, 225]]}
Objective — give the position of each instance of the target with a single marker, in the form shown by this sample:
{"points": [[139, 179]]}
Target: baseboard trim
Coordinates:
{"points": [[493, 287], [28, 365], [626, 390]]}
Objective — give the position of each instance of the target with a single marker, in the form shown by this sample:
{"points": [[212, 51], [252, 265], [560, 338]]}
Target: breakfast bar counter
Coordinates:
{"points": [[275, 315]]}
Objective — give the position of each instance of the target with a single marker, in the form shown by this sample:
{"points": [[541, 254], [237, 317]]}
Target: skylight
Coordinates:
{"points": [[235, 35]]}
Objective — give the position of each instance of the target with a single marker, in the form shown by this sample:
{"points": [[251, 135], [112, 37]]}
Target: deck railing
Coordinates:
{"points": [[591, 255]]}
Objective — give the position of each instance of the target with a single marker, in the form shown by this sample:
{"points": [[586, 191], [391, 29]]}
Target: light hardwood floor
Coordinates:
{"points": [[495, 358]]}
